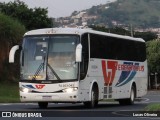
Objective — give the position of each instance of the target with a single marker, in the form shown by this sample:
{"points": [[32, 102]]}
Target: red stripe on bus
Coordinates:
{"points": [[104, 69]]}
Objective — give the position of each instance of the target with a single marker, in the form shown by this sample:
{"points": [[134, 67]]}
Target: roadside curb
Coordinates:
{"points": [[153, 92]]}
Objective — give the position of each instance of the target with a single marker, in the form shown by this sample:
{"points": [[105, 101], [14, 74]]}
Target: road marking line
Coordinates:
{"points": [[115, 113], [149, 118], [6, 103]]}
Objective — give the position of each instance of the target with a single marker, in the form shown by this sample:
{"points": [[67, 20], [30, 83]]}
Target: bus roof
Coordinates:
{"points": [[77, 31]]}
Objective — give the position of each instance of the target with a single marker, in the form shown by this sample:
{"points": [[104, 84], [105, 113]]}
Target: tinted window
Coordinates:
{"points": [[106, 47], [85, 58]]}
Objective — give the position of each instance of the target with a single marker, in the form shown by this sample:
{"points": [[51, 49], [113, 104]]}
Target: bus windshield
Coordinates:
{"points": [[49, 58]]}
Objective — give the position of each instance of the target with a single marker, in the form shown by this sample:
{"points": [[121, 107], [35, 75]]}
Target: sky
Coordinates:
{"points": [[62, 8]]}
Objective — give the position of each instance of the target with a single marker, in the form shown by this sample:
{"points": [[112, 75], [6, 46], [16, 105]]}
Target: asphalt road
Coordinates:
{"points": [[105, 110]]}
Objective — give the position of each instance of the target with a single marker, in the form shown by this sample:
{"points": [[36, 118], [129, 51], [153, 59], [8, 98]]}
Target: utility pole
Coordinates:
{"points": [[131, 30]]}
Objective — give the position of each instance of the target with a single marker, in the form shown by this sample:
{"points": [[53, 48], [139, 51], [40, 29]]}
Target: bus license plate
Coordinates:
{"points": [[47, 97]]}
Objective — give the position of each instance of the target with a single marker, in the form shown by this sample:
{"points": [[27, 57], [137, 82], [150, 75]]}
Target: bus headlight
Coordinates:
{"points": [[25, 90], [70, 90]]}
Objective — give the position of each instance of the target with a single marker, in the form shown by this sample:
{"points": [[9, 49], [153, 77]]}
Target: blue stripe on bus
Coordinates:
{"points": [[126, 76], [29, 86]]}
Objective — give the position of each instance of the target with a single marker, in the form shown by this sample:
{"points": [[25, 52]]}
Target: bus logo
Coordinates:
{"points": [[128, 72], [109, 71], [39, 86]]}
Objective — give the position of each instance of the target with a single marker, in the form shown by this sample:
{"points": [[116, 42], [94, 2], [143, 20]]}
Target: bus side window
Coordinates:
{"points": [[85, 56]]}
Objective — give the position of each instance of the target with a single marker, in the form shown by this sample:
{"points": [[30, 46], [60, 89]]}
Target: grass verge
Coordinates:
{"points": [[153, 107], [9, 93]]}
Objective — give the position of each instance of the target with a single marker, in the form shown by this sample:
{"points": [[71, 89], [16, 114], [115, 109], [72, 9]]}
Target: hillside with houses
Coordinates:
{"points": [[142, 15]]}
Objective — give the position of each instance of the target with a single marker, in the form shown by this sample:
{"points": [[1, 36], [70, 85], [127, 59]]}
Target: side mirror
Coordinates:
{"points": [[12, 53], [79, 53]]}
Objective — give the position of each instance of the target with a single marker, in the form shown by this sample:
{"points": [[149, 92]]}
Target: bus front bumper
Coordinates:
{"points": [[49, 97]]}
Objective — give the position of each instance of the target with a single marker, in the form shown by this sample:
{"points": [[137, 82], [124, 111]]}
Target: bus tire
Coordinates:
{"points": [[94, 99], [129, 101], [43, 105]]}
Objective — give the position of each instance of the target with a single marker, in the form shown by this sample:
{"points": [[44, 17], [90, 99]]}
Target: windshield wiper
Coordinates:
{"points": [[41, 66], [53, 71]]}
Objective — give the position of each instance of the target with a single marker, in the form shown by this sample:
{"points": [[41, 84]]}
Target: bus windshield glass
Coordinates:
{"points": [[49, 58]]}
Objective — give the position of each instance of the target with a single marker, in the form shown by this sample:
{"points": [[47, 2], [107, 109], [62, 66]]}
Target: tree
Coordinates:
{"points": [[31, 18], [147, 36], [153, 56], [11, 32], [74, 13]]}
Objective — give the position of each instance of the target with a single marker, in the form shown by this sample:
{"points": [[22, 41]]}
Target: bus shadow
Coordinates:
{"points": [[78, 106]]}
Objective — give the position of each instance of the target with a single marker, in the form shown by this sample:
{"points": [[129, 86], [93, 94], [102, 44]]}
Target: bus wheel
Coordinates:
{"points": [[130, 100], [94, 99], [43, 105]]}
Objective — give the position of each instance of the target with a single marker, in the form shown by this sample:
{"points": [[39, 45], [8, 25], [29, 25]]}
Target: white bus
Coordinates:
{"points": [[71, 65]]}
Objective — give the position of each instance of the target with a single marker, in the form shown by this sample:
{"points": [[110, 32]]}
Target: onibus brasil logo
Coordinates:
{"points": [[128, 72]]}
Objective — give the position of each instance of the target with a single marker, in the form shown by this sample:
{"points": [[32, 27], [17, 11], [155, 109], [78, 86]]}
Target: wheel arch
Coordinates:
{"points": [[93, 84], [135, 87]]}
